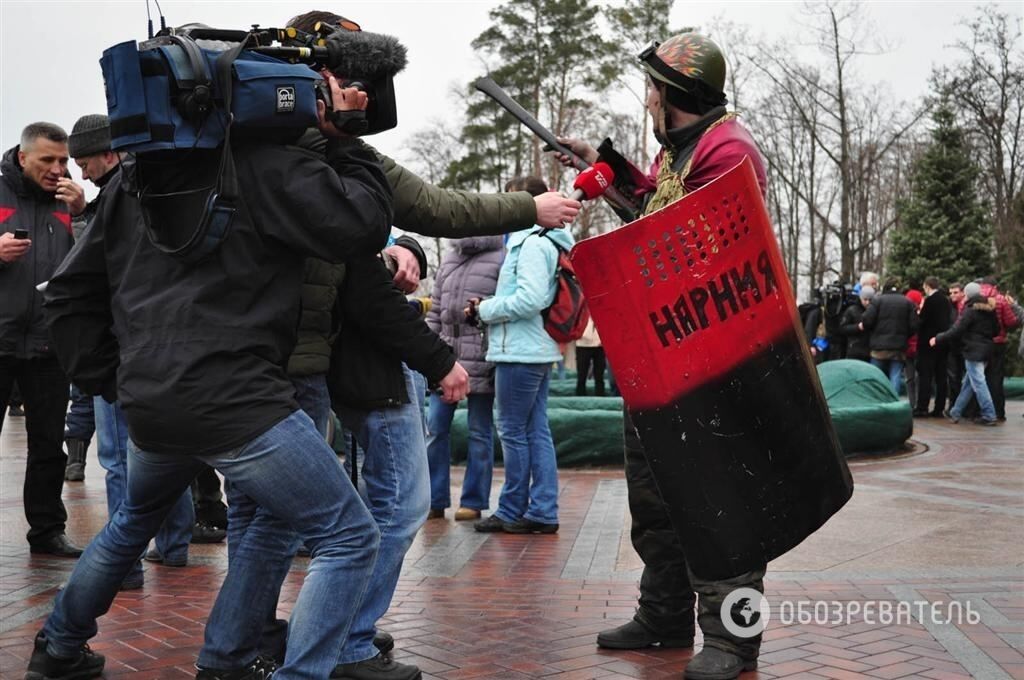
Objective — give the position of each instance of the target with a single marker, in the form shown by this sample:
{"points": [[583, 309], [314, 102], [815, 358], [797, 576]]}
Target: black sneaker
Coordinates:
{"points": [[154, 555], [528, 526], [490, 525], [16, 411], [260, 668], [204, 532], [42, 666], [379, 667]]}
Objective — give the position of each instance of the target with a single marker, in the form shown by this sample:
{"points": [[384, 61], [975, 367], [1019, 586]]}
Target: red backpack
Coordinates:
{"points": [[567, 317]]}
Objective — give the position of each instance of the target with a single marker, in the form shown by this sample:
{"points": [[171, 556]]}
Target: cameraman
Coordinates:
{"points": [[857, 339], [428, 210], [196, 353]]}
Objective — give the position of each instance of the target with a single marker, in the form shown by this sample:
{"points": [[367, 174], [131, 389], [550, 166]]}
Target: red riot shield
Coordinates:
{"points": [[698, 320]]}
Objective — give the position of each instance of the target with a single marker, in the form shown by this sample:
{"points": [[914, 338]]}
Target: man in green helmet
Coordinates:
{"points": [[700, 141]]}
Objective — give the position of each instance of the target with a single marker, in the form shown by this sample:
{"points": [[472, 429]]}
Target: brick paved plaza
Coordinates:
{"points": [[944, 525]]}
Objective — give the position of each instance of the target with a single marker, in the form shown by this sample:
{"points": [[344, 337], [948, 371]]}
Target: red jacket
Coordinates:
{"points": [[719, 150], [917, 298], [1004, 313]]}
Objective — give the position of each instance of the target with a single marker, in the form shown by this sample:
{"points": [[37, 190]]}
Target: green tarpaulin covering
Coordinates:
{"points": [[588, 430], [867, 414], [1014, 388]]}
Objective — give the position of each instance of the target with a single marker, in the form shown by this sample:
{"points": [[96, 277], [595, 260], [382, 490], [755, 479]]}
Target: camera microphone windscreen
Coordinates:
{"points": [[364, 55], [592, 182]]}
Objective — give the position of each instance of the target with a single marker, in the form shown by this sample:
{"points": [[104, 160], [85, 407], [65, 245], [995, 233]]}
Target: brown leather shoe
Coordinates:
{"points": [[464, 514]]}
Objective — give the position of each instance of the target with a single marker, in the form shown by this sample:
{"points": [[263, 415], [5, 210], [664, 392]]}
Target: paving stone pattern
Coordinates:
{"points": [[942, 526]]}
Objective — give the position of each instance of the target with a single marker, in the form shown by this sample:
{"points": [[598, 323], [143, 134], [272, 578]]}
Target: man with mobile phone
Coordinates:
{"points": [[37, 201]]}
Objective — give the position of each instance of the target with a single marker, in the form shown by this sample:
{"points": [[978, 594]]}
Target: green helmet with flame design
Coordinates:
{"points": [[692, 67]]}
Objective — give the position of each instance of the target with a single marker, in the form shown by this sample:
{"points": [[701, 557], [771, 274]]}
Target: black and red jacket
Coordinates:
{"points": [[24, 205]]}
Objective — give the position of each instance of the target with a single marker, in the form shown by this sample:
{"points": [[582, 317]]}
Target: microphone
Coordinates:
{"points": [[592, 182], [361, 55]]}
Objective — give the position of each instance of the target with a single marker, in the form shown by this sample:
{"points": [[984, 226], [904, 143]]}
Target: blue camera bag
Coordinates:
{"points": [[147, 97]]}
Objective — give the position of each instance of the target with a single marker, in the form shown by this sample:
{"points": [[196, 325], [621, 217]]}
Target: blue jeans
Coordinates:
{"points": [[112, 450], [974, 385], [893, 369], [395, 485], [476, 485], [312, 395], [531, 470], [79, 423], [292, 479]]}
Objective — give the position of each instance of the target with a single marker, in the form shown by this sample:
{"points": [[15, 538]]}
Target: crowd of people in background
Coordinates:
{"points": [[946, 345]]}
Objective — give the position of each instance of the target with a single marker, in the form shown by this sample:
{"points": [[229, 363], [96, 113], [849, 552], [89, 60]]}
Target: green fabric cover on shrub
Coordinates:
{"points": [[867, 414], [1014, 388], [586, 431]]}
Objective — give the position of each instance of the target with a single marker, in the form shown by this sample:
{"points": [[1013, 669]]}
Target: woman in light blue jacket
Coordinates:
{"points": [[523, 353]]}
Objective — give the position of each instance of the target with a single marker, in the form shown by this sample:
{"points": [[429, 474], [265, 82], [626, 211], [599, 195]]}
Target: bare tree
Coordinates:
{"points": [[838, 115], [433, 150], [988, 87]]}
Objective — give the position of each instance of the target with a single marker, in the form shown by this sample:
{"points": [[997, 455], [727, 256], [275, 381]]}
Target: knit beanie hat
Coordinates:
{"points": [[867, 293], [91, 135], [972, 289]]}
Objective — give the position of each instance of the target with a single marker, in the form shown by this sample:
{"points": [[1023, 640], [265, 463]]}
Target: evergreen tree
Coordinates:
{"points": [[944, 230], [546, 55]]}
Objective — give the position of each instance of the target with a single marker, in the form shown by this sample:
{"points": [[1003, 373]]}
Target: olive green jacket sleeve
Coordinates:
{"points": [[429, 210]]}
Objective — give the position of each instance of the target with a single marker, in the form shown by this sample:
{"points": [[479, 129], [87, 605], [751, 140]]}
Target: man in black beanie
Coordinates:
{"points": [[89, 146]]}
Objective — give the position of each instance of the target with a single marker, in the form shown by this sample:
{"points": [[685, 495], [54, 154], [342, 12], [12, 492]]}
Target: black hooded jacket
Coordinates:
{"points": [[199, 351], [974, 329], [24, 205], [380, 331]]}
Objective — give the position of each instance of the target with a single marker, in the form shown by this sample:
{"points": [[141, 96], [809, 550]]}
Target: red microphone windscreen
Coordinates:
{"points": [[595, 180]]}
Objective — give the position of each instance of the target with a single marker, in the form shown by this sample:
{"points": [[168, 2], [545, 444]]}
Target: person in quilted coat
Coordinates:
{"points": [[469, 270]]}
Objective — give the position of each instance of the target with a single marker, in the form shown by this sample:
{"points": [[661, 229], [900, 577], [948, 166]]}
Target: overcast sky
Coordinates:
{"points": [[49, 50]]}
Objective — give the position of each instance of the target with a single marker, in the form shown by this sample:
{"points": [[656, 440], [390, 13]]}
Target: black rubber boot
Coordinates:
{"points": [[635, 635], [712, 663], [725, 654], [75, 470]]}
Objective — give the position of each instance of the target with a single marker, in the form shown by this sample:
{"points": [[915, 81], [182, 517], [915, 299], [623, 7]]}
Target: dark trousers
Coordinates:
{"points": [[995, 372], [931, 368], [585, 358], [44, 390], [80, 422], [955, 372], [668, 590], [208, 499]]}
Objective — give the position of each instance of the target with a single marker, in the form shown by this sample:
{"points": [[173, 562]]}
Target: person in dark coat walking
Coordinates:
{"points": [[936, 317], [857, 339], [469, 270], [975, 329]]}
